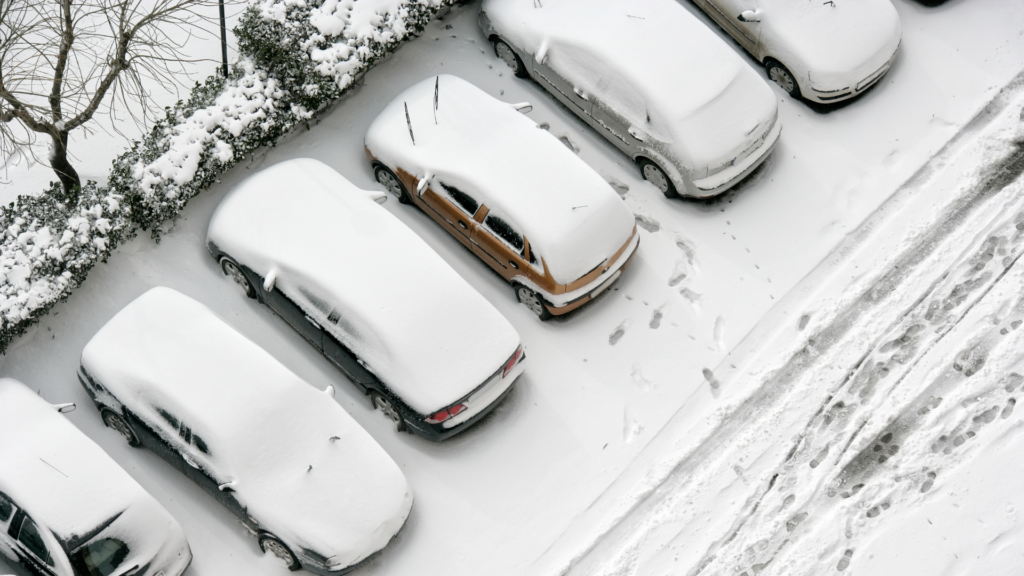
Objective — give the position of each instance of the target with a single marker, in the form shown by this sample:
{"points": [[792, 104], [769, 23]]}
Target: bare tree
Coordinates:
{"points": [[60, 61]]}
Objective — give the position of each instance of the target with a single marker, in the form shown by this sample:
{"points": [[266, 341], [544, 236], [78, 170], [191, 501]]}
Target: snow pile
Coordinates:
{"points": [[46, 249], [50, 244], [309, 474], [348, 263]]}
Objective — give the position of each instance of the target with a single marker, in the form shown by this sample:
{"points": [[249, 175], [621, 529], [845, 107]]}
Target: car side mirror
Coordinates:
{"points": [[268, 282], [65, 408], [424, 182], [524, 107], [227, 487], [749, 16]]}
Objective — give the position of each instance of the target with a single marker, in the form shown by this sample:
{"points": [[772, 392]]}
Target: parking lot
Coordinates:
{"points": [[602, 382]]}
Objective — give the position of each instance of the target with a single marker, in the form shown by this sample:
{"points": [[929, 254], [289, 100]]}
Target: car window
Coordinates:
{"points": [[6, 508], [504, 231], [464, 201], [533, 255], [168, 417], [33, 540], [99, 558]]}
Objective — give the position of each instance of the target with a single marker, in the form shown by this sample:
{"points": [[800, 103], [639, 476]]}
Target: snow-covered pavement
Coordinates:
{"points": [[712, 305]]}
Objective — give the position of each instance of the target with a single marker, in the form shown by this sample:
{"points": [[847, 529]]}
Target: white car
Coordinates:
{"points": [[66, 508], [286, 459], [824, 51], [649, 77], [431, 353], [509, 191]]}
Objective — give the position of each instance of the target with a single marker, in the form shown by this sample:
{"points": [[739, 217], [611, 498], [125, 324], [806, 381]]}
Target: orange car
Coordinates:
{"points": [[507, 189]]}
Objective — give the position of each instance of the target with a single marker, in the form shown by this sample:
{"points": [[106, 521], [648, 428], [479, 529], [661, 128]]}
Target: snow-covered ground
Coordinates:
{"points": [[649, 425]]}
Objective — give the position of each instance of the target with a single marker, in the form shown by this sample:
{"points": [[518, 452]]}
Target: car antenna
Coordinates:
{"points": [[437, 85], [409, 122]]}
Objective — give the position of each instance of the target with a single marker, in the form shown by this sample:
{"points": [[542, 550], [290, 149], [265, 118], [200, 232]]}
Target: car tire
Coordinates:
{"points": [[118, 424], [273, 544], [655, 175], [382, 403], [783, 77], [532, 301], [508, 55], [233, 270], [392, 183]]}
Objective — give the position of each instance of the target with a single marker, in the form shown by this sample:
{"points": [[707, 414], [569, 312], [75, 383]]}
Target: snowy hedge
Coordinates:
{"points": [[296, 58]]}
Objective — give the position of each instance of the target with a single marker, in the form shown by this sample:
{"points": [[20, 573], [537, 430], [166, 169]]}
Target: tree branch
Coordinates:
{"points": [[67, 37]]}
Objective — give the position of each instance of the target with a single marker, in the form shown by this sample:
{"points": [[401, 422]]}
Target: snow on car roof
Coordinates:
{"points": [[651, 60], [62, 479], [569, 213], [266, 431], [418, 325]]}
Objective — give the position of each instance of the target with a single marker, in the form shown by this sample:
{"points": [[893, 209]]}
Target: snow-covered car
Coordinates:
{"points": [[512, 193], [66, 508], [649, 77], [823, 51], [430, 352], [312, 485]]}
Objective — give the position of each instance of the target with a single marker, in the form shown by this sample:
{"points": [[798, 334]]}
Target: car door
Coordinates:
{"points": [[619, 130], [501, 245], [287, 307], [454, 207], [546, 70], [726, 13], [345, 359]]}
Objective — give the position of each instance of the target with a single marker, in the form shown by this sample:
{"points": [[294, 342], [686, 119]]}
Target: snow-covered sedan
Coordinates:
{"points": [[66, 508], [312, 485], [509, 191], [432, 354], [823, 51], [649, 77]]}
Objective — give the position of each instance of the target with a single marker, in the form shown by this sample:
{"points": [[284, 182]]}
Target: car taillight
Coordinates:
{"points": [[512, 362], [445, 414]]}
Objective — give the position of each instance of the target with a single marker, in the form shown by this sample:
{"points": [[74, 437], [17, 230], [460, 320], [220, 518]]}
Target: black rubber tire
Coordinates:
{"points": [[279, 549], [388, 408], [231, 268], [518, 69], [118, 424], [646, 166], [388, 179], [532, 301], [782, 77]]}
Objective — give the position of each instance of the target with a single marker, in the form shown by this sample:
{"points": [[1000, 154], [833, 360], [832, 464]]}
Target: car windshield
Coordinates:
{"points": [[99, 558]]}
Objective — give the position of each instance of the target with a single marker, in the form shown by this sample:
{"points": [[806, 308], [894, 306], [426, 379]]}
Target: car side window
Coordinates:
{"points": [[504, 231], [184, 432], [6, 508], [467, 203], [33, 540]]}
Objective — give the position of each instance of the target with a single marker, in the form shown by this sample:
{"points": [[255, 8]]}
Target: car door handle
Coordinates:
{"points": [[463, 224], [513, 264], [311, 321]]}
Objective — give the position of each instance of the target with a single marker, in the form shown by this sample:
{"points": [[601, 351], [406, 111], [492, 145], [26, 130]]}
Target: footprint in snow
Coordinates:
{"points": [[638, 378], [631, 428], [656, 319], [619, 331], [710, 377], [620, 188], [647, 223], [844, 562]]}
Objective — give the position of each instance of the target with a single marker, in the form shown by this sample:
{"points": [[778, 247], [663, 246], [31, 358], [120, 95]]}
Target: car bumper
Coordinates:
{"points": [[437, 432], [726, 179], [854, 89], [599, 286]]}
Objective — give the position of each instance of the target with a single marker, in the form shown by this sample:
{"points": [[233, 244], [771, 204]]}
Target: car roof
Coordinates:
{"points": [[418, 325], [266, 429], [60, 477], [700, 97], [572, 217]]}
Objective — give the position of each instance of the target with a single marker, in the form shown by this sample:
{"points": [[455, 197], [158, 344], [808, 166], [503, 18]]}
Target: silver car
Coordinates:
{"points": [[651, 78]]}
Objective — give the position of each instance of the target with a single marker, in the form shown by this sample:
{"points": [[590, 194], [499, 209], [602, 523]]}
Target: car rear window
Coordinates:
{"points": [[6, 508], [505, 231], [33, 540], [99, 558], [468, 204]]}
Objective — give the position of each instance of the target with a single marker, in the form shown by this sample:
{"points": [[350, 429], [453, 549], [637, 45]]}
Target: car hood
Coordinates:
{"points": [[838, 43]]}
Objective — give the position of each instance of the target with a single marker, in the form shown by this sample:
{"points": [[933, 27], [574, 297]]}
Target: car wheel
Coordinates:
{"points": [[232, 269], [782, 76], [531, 300], [655, 175], [392, 183], [508, 55], [380, 402], [270, 543], [118, 424]]}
